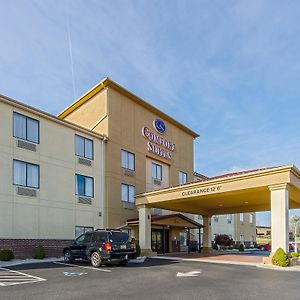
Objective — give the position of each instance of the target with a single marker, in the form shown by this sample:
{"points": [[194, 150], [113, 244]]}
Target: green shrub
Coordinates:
{"points": [[241, 248], [236, 246], [280, 258], [39, 252], [137, 250], [6, 255], [230, 247], [294, 254]]}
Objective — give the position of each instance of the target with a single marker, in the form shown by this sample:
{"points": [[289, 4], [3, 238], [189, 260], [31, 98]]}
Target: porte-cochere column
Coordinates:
{"points": [[207, 234], [279, 217], [145, 229]]}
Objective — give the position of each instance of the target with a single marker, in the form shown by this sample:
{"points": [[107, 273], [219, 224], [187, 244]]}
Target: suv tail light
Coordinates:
{"points": [[107, 247]]}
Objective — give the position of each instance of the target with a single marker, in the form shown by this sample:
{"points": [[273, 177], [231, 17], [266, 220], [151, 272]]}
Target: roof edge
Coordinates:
{"points": [[226, 178], [41, 113], [106, 82]]}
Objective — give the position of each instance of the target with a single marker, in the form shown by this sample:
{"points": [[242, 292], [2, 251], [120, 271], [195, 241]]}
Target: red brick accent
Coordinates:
{"points": [[24, 248]]}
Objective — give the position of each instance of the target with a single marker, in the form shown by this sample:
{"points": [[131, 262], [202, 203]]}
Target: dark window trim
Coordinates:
{"points": [[26, 118], [76, 174], [133, 159], [84, 155], [128, 185], [157, 165], [26, 163]]}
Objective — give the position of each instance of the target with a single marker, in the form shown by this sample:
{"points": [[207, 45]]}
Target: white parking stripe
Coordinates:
{"points": [[9, 277], [90, 268]]}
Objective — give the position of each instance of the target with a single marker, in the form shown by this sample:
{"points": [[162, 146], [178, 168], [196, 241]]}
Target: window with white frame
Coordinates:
{"points": [[242, 218], [182, 177], [128, 192], [26, 174], [251, 217], [229, 218], [127, 160], [84, 185], [84, 147], [156, 171], [26, 128]]}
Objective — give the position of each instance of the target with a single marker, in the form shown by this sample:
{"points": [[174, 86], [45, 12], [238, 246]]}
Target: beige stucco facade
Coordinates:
{"points": [[111, 110], [52, 210]]}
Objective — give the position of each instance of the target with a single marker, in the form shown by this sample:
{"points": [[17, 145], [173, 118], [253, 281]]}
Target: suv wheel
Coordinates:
{"points": [[96, 260], [123, 262], [68, 257]]}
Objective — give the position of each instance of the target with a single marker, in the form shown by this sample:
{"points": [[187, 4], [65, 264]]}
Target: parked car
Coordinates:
{"points": [[267, 247], [101, 246]]}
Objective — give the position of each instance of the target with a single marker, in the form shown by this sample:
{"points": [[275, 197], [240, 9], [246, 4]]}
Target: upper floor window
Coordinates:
{"points": [[156, 171], [251, 218], [84, 147], [26, 128], [128, 192], [229, 218], [241, 218], [26, 174], [182, 177], [84, 186], [127, 160]]}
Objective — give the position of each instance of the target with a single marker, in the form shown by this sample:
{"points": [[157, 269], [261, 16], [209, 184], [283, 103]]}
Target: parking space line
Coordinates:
{"points": [[90, 268], [9, 277]]}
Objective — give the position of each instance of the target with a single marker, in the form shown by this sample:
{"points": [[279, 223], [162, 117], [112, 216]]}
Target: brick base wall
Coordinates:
{"points": [[24, 248]]}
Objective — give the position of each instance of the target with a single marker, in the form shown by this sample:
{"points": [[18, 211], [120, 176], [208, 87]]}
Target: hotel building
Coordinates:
{"points": [[64, 175]]}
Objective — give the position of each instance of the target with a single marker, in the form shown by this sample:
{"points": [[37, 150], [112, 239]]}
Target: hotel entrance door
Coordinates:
{"points": [[160, 240]]}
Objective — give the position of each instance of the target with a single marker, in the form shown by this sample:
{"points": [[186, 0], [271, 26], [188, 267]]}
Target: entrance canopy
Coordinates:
{"points": [[247, 191], [174, 220]]}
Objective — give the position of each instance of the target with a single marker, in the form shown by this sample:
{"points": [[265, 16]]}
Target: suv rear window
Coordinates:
{"points": [[118, 237], [100, 237]]}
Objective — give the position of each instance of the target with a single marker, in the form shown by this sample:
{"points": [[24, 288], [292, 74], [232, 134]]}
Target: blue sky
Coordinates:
{"points": [[227, 69]]}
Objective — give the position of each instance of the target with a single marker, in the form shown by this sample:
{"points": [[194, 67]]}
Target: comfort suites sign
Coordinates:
{"points": [[156, 143]]}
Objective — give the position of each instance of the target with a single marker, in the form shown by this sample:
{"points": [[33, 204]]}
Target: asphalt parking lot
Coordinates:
{"points": [[154, 279]]}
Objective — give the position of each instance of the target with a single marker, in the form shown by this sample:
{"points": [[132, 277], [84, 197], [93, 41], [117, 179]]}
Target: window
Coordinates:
{"points": [[251, 218], [156, 171], [79, 230], [242, 218], [100, 237], [128, 193], [182, 177], [229, 218], [84, 185], [26, 128], [183, 238], [216, 218], [84, 147], [26, 174], [127, 159]]}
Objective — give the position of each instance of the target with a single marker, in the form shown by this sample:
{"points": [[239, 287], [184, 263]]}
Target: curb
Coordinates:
{"points": [[221, 262], [16, 262], [277, 268], [138, 260]]}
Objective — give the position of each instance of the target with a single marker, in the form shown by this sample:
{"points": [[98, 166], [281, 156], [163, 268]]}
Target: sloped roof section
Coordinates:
{"points": [[106, 82]]}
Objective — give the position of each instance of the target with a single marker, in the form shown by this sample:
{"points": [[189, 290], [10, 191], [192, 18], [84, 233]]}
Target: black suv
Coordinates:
{"points": [[100, 247]]}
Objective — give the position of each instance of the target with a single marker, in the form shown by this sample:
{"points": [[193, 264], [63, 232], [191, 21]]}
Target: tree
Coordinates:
{"points": [[223, 240]]}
